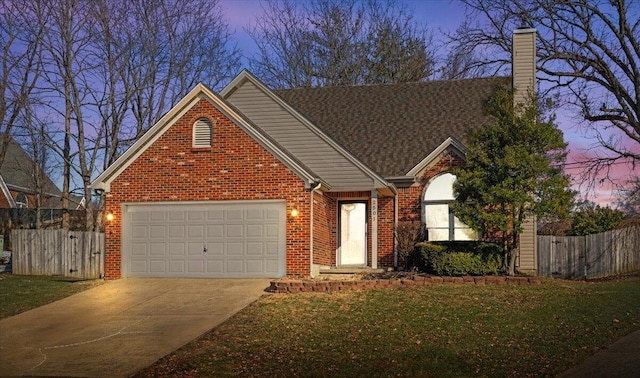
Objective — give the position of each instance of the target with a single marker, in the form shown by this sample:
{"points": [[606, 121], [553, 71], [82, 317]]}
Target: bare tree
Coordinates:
{"points": [[67, 63], [629, 202], [109, 70], [36, 145], [398, 46], [338, 41], [588, 54], [19, 67], [172, 48], [330, 42], [110, 96], [284, 58], [462, 62]]}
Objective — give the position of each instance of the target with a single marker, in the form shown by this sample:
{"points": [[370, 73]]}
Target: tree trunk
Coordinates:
{"points": [[66, 159], [513, 257]]}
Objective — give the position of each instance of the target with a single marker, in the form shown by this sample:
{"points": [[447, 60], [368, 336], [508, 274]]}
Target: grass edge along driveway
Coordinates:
{"points": [[435, 331], [20, 293]]}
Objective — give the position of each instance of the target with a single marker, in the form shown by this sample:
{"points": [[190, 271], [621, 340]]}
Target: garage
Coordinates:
{"points": [[219, 239]]}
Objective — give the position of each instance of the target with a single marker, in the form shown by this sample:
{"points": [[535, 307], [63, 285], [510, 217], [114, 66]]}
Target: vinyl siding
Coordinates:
{"points": [[524, 63], [298, 139], [524, 82], [528, 247]]}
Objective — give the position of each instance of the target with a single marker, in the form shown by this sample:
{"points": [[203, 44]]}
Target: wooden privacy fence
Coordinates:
{"points": [[591, 256], [58, 252]]}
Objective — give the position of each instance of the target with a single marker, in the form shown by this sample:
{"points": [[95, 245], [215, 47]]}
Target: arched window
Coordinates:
{"points": [[202, 133], [439, 220], [22, 201]]}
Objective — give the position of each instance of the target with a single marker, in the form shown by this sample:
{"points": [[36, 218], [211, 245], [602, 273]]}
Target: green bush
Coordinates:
{"points": [[423, 256], [457, 258]]}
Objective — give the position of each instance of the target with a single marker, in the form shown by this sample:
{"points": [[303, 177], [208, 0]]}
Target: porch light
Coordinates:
{"points": [[294, 213], [110, 217]]}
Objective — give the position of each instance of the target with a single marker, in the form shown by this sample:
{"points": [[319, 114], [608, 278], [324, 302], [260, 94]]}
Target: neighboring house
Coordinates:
{"points": [[18, 184], [260, 183], [17, 180]]}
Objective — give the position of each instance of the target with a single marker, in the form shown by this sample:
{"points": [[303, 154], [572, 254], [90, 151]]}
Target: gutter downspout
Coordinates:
{"points": [[311, 273]]}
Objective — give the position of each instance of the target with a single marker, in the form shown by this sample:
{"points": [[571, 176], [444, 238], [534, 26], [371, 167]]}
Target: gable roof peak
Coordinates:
{"points": [[200, 91]]}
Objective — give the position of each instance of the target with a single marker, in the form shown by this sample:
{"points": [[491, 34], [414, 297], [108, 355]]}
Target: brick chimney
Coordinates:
{"points": [[524, 63], [524, 82]]}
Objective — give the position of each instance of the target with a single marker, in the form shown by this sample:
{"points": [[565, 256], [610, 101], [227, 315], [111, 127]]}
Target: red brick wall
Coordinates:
{"points": [[386, 222], [31, 198], [410, 199], [323, 224], [235, 167], [4, 201]]}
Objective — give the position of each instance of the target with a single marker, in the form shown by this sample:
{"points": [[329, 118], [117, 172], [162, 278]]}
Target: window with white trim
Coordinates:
{"points": [[202, 133], [22, 201], [439, 220]]}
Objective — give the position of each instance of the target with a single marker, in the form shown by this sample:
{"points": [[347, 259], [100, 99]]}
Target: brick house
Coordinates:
{"points": [[17, 183], [18, 189], [253, 182]]}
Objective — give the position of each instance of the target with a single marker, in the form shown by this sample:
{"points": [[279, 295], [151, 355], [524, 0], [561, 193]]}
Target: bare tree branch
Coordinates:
{"points": [[330, 42], [107, 71], [588, 53]]}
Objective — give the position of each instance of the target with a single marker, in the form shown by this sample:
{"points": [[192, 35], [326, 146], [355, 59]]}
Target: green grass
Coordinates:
{"points": [[436, 331], [22, 293]]}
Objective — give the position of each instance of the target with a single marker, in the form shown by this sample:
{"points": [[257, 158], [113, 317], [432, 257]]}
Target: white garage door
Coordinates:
{"points": [[210, 239]]}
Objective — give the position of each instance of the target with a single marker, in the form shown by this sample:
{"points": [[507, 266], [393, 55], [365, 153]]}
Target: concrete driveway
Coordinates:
{"points": [[120, 327]]}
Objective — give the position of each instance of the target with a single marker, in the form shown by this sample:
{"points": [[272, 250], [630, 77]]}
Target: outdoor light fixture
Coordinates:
{"points": [[110, 216], [294, 213]]}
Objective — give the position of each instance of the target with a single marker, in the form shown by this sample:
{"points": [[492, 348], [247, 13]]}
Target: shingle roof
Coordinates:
{"points": [[392, 127], [17, 171]]}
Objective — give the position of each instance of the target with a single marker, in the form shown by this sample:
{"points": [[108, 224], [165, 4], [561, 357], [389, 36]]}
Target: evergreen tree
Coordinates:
{"points": [[512, 173]]}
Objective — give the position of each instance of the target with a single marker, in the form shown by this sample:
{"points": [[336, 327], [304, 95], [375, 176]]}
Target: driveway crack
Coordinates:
{"points": [[43, 350]]}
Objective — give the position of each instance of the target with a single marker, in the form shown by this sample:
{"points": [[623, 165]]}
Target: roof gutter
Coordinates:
{"points": [[401, 181], [29, 191]]}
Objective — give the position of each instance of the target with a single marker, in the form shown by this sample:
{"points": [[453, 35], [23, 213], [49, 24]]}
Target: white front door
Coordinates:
{"points": [[353, 234]]}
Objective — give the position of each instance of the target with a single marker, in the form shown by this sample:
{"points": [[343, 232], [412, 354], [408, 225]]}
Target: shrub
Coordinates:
{"points": [[457, 258], [423, 255], [455, 264], [407, 233], [466, 263]]}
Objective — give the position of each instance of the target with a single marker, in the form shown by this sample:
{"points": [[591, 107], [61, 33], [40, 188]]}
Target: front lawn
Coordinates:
{"points": [[435, 331], [22, 293]]}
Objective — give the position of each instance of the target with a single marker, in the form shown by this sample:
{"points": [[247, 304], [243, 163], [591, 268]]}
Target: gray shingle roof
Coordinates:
{"points": [[17, 171], [392, 127]]}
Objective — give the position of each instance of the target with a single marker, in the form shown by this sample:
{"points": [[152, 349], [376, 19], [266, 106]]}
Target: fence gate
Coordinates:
{"points": [[58, 252]]}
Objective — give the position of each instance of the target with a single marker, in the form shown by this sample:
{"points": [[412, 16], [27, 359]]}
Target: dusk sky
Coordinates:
{"points": [[439, 16]]}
